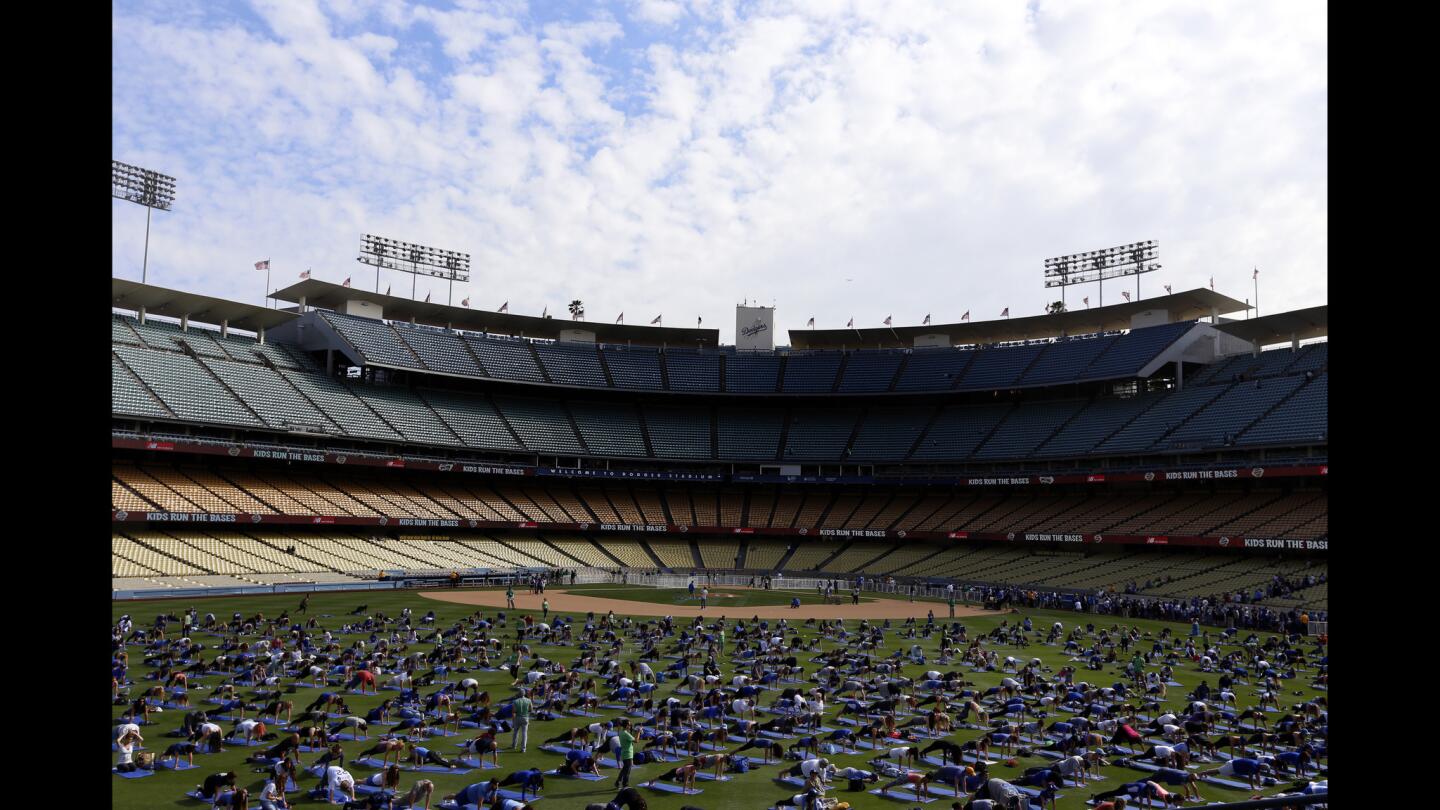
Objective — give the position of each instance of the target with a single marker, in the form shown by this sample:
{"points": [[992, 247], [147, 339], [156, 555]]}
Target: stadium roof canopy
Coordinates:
{"points": [[154, 300], [316, 293], [1282, 327], [1182, 306]]}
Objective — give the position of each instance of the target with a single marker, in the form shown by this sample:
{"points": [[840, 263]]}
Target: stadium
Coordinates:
{"points": [[1094, 539], [381, 542]]}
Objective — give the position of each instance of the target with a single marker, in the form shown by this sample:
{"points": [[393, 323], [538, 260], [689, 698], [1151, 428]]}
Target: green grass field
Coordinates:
{"points": [[752, 790]]}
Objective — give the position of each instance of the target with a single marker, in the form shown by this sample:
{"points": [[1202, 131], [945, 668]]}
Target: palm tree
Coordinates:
{"points": [[577, 310]]}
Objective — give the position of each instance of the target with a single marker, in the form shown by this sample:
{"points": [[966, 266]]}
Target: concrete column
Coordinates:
{"points": [[330, 361], [1214, 315], [1294, 342], [1179, 375], [224, 329], [141, 312], [261, 335], [185, 322], [302, 304]]}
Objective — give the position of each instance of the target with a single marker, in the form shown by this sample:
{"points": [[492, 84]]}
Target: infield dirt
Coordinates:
{"points": [[562, 601]]}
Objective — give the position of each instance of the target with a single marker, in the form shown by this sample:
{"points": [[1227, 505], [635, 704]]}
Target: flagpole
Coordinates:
{"points": [[1257, 293], [265, 301]]}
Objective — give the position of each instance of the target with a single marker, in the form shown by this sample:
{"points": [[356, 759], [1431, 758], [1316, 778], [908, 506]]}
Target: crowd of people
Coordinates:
{"points": [[712, 697]]}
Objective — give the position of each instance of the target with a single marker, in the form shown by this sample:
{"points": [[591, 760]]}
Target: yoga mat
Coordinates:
{"points": [[907, 796], [140, 774], [666, 787], [589, 777]]}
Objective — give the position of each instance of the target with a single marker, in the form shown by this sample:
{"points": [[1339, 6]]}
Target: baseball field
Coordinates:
{"points": [[754, 789]]}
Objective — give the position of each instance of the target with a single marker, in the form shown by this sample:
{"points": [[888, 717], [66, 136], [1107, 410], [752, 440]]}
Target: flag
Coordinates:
{"points": [[810, 323], [347, 282], [657, 319], [387, 289], [698, 319], [546, 312], [1006, 313], [887, 320], [850, 324], [465, 302], [620, 319], [505, 307], [427, 296], [1257, 274], [1126, 294], [927, 319], [305, 274], [1212, 282], [966, 316], [1167, 289], [262, 265], [1087, 300]]}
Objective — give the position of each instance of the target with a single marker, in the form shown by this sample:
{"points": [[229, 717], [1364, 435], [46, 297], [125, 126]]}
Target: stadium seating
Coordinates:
{"points": [[747, 373], [571, 364], [869, 371], [440, 351], [1000, 367], [1147, 429], [609, 429], [473, 419], [749, 434], [810, 372], [633, 368], [1304, 418], [1232, 412], [269, 395], [1133, 350], [1025, 428], [375, 341], [540, 424], [692, 370], [958, 430], [1061, 359], [185, 387], [505, 358], [819, 435]]}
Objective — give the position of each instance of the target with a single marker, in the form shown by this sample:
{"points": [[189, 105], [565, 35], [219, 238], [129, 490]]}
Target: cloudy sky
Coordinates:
{"points": [[839, 159]]}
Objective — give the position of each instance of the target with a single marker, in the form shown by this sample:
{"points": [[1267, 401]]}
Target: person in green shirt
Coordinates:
{"points": [[521, 736], [545, 608], [627, 753], [510, 596]]}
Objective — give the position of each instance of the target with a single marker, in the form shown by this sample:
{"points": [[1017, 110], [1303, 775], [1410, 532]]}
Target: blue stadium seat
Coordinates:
{"points": [[819, 435], [870, 371], [752, 435], [747, 373], [633, 368], [571, 363], [811, 372]]}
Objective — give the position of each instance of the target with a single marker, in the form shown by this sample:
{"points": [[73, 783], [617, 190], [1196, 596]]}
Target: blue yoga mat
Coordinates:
{"points": [[666, 787], [133, 774]]}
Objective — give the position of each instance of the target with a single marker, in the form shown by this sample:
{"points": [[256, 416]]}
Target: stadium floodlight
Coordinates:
{"points": [[407, 257], [1098, 265], [142, 187]]}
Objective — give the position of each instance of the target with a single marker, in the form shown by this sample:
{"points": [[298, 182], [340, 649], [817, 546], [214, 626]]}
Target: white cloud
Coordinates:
{"points": [[932, 152]]}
